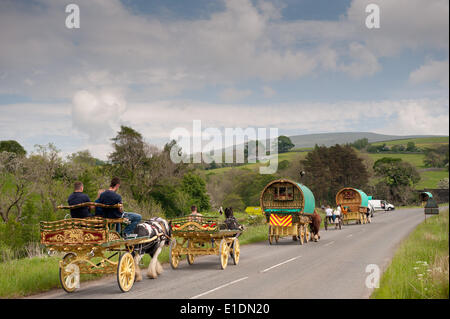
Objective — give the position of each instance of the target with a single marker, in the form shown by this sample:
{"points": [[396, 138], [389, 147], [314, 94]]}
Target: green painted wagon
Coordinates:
{"points": [[354, 203], [288, 207]]}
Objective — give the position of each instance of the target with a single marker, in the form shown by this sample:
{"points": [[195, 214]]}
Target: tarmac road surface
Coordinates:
{"points": [[334, 267]]}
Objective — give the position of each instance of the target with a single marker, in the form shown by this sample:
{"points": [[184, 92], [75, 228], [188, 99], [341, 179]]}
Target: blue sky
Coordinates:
{"points": [[300, 66]]}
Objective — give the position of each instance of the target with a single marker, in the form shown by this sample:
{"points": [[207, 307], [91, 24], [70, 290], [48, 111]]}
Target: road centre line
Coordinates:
{"points": [[282, 263], [328, 244], [220, 287], [348, 236]]}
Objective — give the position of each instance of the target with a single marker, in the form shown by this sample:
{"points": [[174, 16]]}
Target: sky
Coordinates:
{"points": [[301, 66]]}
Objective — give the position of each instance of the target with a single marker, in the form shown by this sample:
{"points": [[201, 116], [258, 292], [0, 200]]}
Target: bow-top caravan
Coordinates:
{"points": [[288, 207], [354, 203]]}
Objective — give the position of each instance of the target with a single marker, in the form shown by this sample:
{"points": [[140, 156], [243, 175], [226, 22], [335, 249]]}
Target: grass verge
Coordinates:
{"points": [[420, 267]]}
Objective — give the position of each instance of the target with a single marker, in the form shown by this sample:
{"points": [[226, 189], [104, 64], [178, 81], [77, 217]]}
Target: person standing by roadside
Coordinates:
{"points": [[329, 214]]}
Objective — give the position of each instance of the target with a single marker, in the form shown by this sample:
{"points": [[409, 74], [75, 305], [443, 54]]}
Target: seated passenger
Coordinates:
{"points": [[78, 197], [99, 210], [194, 214], [231, 221], [110, 197]]}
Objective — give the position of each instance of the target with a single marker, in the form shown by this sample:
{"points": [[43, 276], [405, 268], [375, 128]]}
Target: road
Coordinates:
{"points": [[334, 267]]}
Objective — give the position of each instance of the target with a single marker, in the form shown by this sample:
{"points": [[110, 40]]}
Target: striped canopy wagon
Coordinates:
{"points": [[354, 203], [288, 207]]}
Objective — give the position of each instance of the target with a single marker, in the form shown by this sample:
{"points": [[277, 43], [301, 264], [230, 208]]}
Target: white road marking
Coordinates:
{"points": [[220, 287], [284, 262], [328, 244], [348, 236]]}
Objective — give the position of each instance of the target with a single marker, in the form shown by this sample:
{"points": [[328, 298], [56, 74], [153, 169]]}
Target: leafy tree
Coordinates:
{"points": [[360, 144], [398, 148], [411, 147], [284, 144], [398, 177], [195, 187], [330, 168], [12, 147]]}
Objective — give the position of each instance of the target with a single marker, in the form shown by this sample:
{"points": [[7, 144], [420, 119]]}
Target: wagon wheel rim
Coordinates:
{"points": [[174, 258], [301, 239], [224, 252], [236, 251], [190, 257], [306, 234], [270, 236], [126, 272], [67, 274]]}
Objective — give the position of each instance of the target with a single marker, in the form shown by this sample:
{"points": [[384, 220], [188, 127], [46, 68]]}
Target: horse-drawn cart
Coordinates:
{"points": [[288, 207], [198, 235], [89, 246], [354, 203]]}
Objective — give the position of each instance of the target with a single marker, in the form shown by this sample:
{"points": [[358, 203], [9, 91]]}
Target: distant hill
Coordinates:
{"points": [[329, 139]]}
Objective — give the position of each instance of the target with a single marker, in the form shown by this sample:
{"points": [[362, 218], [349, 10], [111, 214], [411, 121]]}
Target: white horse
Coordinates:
{"points": [[153, 227]]}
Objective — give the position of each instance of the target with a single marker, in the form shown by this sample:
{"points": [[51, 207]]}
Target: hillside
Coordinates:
{"points": [[329, 139]]}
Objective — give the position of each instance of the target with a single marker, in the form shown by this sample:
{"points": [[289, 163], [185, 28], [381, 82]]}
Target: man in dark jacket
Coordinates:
{"points": [[110, 197], [78, 197]]}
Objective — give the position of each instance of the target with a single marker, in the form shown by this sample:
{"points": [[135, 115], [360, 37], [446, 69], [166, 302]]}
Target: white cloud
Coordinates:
{"points": [[431, 71], [97, 114], [115, 47]]}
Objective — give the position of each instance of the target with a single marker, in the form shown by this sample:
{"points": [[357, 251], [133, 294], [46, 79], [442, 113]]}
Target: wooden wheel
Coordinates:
{"points": [[69, 274], [276, 238], [174, 257], [223, 253], [270, 236], [236, 251], [190, 257], [301, 234], [126, 272], [306, 233]]}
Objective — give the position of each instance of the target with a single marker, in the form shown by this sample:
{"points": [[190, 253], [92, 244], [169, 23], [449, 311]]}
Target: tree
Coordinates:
{"points": [[399, 178], [195, 187], [284, 144], [361, 143], [12, 147], [15, 184], [436, 157], [330, 168], [411, 147]]}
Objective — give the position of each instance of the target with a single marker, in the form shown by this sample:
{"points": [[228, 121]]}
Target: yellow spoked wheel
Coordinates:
{"points": [[190, 257], [126, 272], [174, 257], [223, 253], [69, 273], [236, 251], [301, 235], [306, 234], [361, 219]]}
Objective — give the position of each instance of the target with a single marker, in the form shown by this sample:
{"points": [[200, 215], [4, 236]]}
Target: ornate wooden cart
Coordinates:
{"points": [[288, 207], [354, 203], [198, 235], [89, 246]]}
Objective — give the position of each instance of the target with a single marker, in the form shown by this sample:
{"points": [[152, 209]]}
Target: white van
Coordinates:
{"points": [[380, 204]]}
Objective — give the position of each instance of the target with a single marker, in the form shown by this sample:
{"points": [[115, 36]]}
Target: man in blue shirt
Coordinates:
{"points": [[110, 197], [78, 197]]}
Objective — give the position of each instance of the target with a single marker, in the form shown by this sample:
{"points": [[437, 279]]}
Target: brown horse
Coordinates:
{"points": [[315, 225]]}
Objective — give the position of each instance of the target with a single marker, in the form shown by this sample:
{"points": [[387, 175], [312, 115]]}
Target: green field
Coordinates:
{"points": [[431, 178], [430, 142], [414, 159], [420, 267]]}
